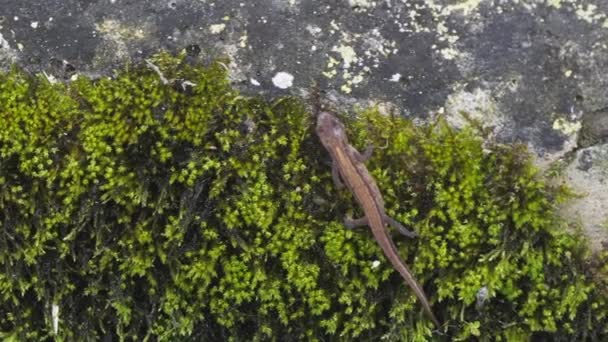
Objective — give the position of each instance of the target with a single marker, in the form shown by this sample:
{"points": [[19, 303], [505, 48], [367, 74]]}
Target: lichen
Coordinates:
{"points": [[134, 209]]}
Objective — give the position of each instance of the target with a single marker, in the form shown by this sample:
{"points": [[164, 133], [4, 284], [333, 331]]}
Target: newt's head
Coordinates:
{"points": [[330, 130]]}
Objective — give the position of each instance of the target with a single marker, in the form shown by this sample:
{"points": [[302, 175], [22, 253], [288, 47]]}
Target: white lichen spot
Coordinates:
{"points": [[243, 40], [7, 51], [34, 24], [55, 317], [482, 296], [449, 53], [466, 7], [330, 74], [282, 80], [446, 34], [50, 78], [346, 88], [567, 127], [334, 25], [357, 79], [217, 28], [186, 84], [332, 62], [360, 3], [20, 46], [314, 30], [588, 13], [395, 77], [348, 54], [254, 82]]}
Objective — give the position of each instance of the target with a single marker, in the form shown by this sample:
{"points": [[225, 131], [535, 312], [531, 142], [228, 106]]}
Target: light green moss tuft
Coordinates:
{"points": [[155, 211]]}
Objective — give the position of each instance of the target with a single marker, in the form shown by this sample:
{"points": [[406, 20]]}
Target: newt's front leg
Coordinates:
{"points": [[362, 157], [335, 175], [367, 153], [354, 223]]}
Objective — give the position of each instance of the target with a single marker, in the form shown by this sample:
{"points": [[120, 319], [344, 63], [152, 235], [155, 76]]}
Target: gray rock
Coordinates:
{"points": [[589, 177]]}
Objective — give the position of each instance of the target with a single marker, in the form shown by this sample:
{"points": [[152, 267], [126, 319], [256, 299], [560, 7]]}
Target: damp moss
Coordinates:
{"points": [[142, 207]]}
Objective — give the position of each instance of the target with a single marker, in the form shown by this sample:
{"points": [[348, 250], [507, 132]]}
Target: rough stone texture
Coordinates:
{"points": [[588, 174], [532, 71]]}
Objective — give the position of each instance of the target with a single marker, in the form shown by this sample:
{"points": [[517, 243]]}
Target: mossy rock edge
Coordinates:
{"points": [[137, 209]]}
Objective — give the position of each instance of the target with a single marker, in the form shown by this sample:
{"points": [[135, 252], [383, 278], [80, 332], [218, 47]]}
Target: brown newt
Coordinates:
{"points": [[348, 165]]}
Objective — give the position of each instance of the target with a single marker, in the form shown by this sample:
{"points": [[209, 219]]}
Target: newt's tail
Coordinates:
{"points": [[393, 256], [406, 274]]}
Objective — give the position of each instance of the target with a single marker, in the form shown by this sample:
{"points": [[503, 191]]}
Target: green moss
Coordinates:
{"points": [[145, 210]]}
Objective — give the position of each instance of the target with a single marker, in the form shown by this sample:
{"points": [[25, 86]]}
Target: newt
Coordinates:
{"points": [[348, 165]]}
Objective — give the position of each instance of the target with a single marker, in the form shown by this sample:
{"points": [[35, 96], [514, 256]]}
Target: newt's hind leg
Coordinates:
{"points": [[404, 231], [354, 223]]}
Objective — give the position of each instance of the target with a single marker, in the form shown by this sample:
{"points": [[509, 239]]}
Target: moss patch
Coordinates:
{"points": [[136, 209]]}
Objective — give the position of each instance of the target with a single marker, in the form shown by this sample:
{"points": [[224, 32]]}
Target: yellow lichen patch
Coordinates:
{"points": [[120, 30], [567, 127], [217, 28], [466, 6]]}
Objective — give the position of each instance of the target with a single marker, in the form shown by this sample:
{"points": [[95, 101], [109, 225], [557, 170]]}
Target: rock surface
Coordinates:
{"points": [[532, 71]]}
